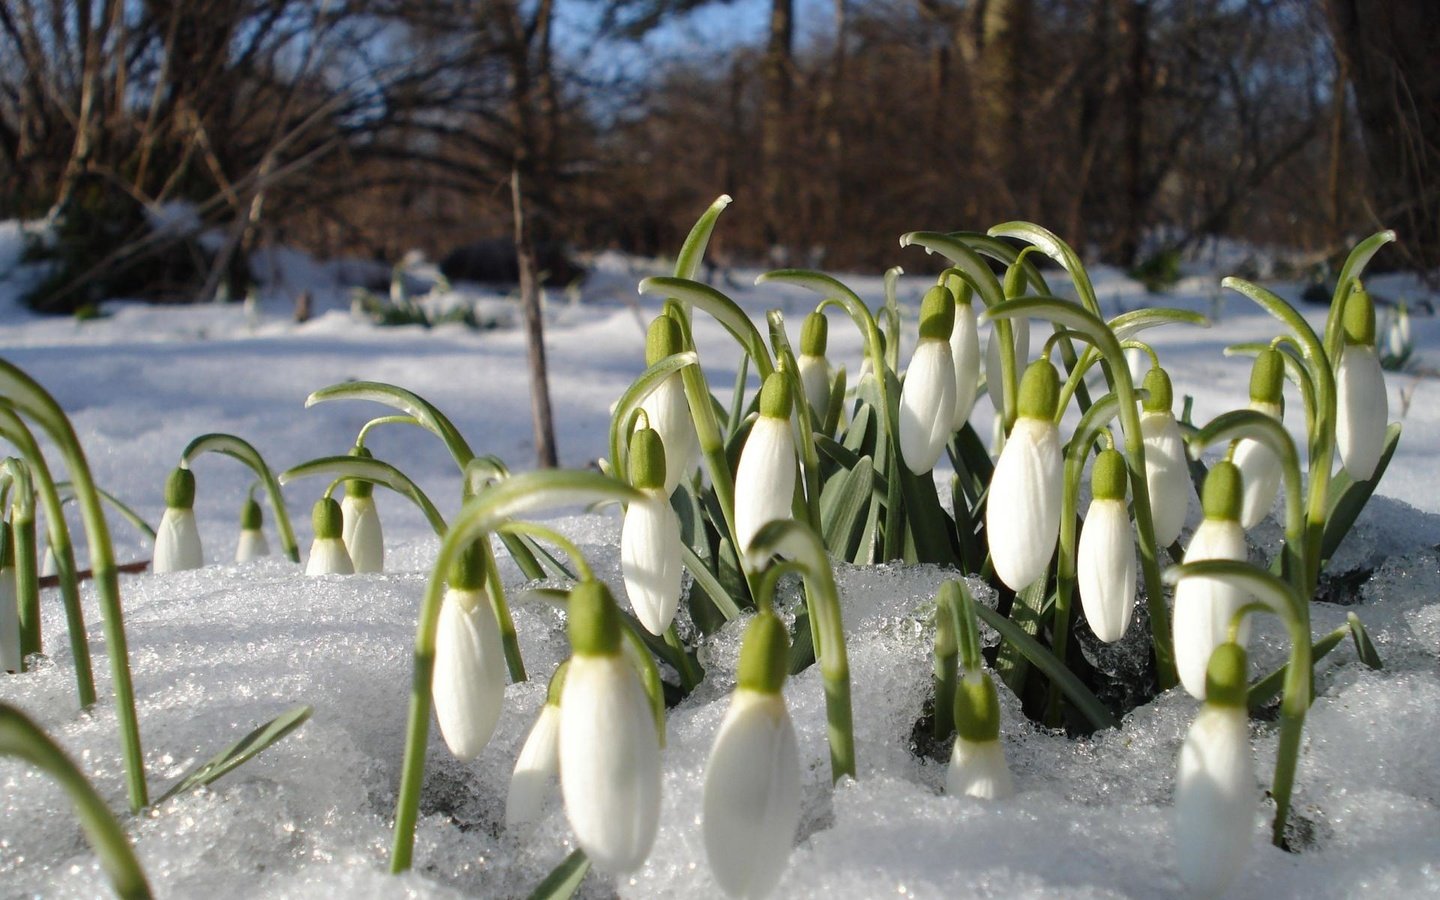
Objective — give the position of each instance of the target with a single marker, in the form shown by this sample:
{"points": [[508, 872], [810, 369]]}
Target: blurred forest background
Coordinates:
{"points": [[1134, 128]]}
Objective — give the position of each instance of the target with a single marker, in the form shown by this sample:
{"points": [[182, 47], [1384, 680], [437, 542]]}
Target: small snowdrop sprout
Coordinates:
{"points": [[364, 539], [252, 544], [1258, 464], [765, 477], [965, 352], [650, 549], [752, 779], [666, 409], [927, 399], [538, 765], [1215, 798], [977, 762], [1167, 472], [1361, 404], [609, 748], [10, 657], [1106, 563], [468, 685], [177, 540], [814, 369], [328, 555], [1022, 518], [1204, 606]]}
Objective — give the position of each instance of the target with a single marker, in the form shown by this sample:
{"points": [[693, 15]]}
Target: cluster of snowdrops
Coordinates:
{"points": [[741, 512]]}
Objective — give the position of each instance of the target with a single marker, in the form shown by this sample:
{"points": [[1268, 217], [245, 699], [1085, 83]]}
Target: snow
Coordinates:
{"points": [[216, 651]]}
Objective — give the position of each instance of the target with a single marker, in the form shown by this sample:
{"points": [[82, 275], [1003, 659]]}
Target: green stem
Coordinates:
{"points": [[374, 471], [689, 678], [240, 449]]}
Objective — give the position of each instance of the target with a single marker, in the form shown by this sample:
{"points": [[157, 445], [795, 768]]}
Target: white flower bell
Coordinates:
{"points": [[1105, 564], [977, 762], [1204, 606], [468, 684], [650, 549], [328, 555], [364, 539], [1260, 467], [765, 477], [1215, 795], [666, 409], [965, 353], [1022, 515], [609, 748], [927, 399], [538, 765], [1361, 405], [814, 369], [177, 540], [252, 544], [751, 803], [1167, 469]]}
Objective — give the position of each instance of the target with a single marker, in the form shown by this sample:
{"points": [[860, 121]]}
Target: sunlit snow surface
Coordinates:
{"points": [[217, 651]]}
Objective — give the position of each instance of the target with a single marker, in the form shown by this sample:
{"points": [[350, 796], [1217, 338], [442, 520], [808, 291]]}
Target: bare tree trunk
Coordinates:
{"points": [[1337, 144], [1127, 244], [544, 422], [775, 112], [1000, 136]]}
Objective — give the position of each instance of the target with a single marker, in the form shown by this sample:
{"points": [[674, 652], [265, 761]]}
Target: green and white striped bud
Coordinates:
{"points": [[177, 539], [328, 555], [927, 398], [666, 409], [1105, 565], [977, 762], [468, 683], [1259, 465], [650, 548], [1167, 470], [1022, 516], [1204, 606], [765, 477], [252, 544], [364, 539], [814, 368], [1361, 404]]}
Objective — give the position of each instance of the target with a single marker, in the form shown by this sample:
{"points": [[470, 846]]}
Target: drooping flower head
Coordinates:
{"points": [[1361, 404], [1259, 465], [328, 555], [965, 353], [252, 544], [765, 477], [1167, 471], [1022, 515], [814, 369], [609, 748], [977, 762], [1204, 606], [927, 399], [1105, 567], [650, 538], [1215, 780], [468, 684], [363, 537], [539, 762], [177, 540], [752, 780], [666, 409]]}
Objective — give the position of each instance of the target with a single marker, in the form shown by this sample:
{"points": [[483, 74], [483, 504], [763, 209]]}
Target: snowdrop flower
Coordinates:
{"points": [[1361, 404], [609, 749], [252, 544], [10, 659], [994, 383], [468, 684], [965, 352], [177, 540], [927, 399], [328, 555], [666, 409], [1022, 516], [1167, 470], [752, 780], [650, 538], [977, 763], [765, 477], [814, 369], [1106, 559], [1205, 606], [1215, 781], [539, 762], [1259, 465], [361, 532]]}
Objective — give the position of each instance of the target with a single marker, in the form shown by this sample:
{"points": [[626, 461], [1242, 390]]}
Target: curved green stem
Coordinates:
{"points": [[67, 493], [1048, 243], [722, 308], [630, 401], [1354, 265], [238, 448], [809, 458], [546, 533], [692, 252], [382, 420], [374, 471], [425, 414]]}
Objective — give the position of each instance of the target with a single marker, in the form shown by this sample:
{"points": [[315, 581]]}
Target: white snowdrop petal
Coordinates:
{"points": [[1105, 569], [1167, 475], [1260, 474], [650, 554], [609, 762], [752, 795], [927, 405], [177, 542], [361, 532], [9, 622], [1215, 799], [668, 413], [965, 353], [978, 769], [328, 556], [1204, 606], [765, 478], [535, 770], [252, 545], [1362, 409], [815, 379], [468, 684], [1022, 515]]}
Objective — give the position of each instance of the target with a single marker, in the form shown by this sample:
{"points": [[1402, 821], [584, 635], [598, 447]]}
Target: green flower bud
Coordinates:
{"points": [[327, 520], [647, 459], [764, 655], [1223, 495], [775, 396], [594, 620], [1161, 396], [1226, 677], [1109, 477], [180, 489], [1267, 376], [937, 314], [1039, 391], [250, 517], [1359, 323], [814, 335], [467, 572], [664, 339], [354, 487], [977, 708]]}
